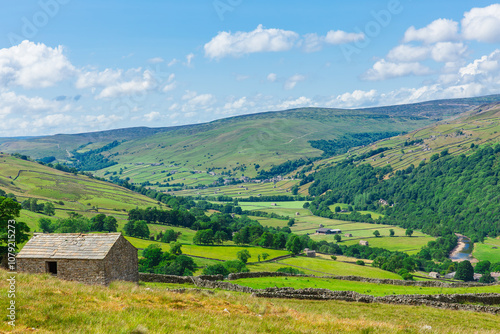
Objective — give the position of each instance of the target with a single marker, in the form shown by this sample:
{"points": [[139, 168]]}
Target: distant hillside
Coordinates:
{"points": [[68, 192], [59, 145]]}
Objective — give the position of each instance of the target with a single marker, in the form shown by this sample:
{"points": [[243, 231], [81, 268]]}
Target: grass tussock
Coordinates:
{"points": [[48, 305]]}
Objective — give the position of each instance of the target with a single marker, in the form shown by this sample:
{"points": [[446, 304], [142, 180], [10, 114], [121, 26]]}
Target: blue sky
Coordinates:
{"points": [[71, 66]]}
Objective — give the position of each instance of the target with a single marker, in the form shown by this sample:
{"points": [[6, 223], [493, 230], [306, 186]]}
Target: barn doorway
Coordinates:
{"points": [[51, 267]]}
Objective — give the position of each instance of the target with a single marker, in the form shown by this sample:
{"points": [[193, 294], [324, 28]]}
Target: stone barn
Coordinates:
{"points": [[88, 258]]}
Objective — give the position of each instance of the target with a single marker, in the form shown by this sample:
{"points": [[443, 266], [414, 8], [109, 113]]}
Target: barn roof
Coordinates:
{"points": [[69, 246]]}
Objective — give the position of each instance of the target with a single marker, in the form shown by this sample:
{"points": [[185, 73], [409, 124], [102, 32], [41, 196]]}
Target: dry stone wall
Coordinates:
{"points": [[490, 302]]}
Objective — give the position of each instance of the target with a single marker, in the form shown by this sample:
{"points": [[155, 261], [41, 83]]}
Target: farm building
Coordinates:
{"points": [[309, 252], [363, 243], [434, 274], [87, 258], [348, 235], [324, 230]]}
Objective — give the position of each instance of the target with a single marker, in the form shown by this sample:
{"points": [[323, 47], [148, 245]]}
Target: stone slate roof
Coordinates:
{"points": [[69, 246]]}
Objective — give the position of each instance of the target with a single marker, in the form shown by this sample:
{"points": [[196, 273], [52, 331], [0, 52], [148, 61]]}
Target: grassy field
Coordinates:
{"points": [[48, 305], [321, 266], [225, 252], [306, 223], [360, 287], [489, 250], [26, 179]]}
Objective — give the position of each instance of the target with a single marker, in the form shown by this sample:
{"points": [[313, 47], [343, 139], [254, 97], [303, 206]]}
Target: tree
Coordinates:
{"points": [[465, 272], [9, 210], [376, 233], [291, 222], [258, 257], [482, 267], [235, 266], [360, 262], [294, 245], [409, 232], [110, 224], [337, 238], [49, 209], [238, 238], [487, 278], [98, 222], [220, 237], [391, 232], [169, 236], [34, 205], [265, 256], [337, 209], [333, 257], [205, 237], [152, 257], [45, 224], [243, 255], [216, 269], [175, 248]]}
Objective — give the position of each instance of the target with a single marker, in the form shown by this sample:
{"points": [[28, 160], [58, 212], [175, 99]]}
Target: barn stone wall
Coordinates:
{"points": [[85, 271], [122, 262]]}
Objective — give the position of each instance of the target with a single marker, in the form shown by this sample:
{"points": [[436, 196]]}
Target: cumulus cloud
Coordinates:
{"points": [[341, 37], [227, 44], [299, 102], [440, 30], [291, 82], [238, 104], [194, 101], [107, 77], [136, 85], [272, 77], [152, 116], [31, 65], [357, 98], [383, 70], [482, 24], [440, 52], [259, 40]]}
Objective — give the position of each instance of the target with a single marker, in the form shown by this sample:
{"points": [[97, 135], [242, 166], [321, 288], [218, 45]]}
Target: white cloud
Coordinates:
{"points": [[341, 37], [195, 101], [448, 52], [482, 24], [156, 60], [383, 70], [152, 116], [299, 102], [272, 77], [189, 60], [136, 85], [440, 30], [291, 82], [408, 53], [356, 98], [259, 40], [172, 62], [485, 66], [312, 42], [31, 65], [94, 78], [238, 104], [171, 84], [440, 52]]}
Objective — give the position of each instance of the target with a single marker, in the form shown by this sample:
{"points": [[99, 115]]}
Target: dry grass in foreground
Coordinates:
{"points": [[48, 305]]}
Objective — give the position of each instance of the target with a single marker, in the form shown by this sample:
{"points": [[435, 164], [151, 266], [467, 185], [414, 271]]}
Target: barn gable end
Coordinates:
{"points": [[87, 258]]}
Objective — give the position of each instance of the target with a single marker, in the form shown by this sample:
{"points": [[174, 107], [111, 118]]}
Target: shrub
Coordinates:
{"points": [[290, 270], [360, 263]]}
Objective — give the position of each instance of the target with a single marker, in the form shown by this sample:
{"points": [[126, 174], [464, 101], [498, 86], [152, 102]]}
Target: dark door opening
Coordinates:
{"points": [[52, 267]]}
